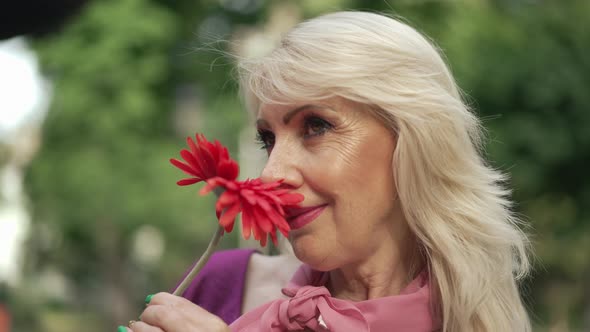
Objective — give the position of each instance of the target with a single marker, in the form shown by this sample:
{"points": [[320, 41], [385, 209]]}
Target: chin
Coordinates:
{"points": [[313, 254]]}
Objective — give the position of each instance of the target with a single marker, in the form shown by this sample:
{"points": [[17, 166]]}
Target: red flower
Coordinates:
{"points": [[205, 160], [262, 206]]}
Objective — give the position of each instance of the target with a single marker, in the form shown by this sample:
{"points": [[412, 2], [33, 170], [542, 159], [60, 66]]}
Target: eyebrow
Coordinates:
{"points": [[289, 115]]}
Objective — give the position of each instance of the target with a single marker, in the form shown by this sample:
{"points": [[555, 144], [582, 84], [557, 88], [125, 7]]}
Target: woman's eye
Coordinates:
{"points": [[266, 139], [315, 126]]}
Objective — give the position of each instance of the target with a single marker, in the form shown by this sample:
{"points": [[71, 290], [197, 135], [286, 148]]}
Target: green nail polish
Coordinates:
{"points": [[121, 329], [147, 299]]}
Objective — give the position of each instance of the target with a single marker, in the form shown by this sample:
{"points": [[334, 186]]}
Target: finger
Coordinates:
{"points": [[171, 319], [161, 315], [170, 300], [143, 327], [178, 303]]}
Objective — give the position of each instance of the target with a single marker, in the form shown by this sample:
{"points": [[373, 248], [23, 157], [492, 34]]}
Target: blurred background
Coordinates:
{"points": [[97, 95]]}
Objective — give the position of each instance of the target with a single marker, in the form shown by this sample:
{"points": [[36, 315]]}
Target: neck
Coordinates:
{"points": [[385, 272]]}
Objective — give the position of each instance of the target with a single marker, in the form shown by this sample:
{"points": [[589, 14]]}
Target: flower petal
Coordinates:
{"points": [[229, 228], [196, 151], [285, 232], [229, 215], [264, 204], [263, 240], [249, 195], [211, 184], [273, 237], [274, 200], [276, 219], [206, 156], [228, 169], [230, 185], [262, 219], [247, 220], [291, 199], [193, 162], [184, 167], [191, 144], [226, 199], [186, 182]]}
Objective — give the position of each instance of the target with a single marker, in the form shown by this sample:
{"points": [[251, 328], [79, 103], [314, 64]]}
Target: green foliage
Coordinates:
{"points": [[103, 172]]}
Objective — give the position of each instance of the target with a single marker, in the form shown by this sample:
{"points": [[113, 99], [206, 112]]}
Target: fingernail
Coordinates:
{"points": [[147, 299], [121, 328]]}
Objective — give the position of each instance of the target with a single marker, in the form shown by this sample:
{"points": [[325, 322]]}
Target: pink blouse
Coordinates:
{"points": [[310, 306]]}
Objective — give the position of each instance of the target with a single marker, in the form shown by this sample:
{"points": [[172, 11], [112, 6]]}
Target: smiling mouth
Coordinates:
{"points": [[299, 217]]}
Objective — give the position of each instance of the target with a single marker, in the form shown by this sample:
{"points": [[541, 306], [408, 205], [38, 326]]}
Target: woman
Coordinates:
{"points": [[404, 226]]}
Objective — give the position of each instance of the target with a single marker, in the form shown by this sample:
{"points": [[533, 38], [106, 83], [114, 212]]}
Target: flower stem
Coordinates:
{"points": [[200, 263]]}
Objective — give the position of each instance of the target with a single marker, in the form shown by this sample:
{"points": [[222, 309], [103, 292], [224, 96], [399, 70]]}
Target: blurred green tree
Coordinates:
{"points": [[103, 172]]}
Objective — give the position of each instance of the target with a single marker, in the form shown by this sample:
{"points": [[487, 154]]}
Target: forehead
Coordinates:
{"points": [[336, 104]]}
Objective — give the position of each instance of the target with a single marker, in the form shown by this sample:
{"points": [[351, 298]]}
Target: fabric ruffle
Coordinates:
{"points": [[309, 305]]}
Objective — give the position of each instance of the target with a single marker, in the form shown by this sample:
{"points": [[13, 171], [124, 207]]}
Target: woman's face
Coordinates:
{"points": [[339, 157]]}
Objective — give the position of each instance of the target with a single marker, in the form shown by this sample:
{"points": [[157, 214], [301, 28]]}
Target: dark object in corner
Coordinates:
{"points": [[29, 17]]}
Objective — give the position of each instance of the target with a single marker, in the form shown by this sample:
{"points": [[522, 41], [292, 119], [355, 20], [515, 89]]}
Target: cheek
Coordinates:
{"points": [[368, 171], [345, 156], [366, 161], [334, 170]]}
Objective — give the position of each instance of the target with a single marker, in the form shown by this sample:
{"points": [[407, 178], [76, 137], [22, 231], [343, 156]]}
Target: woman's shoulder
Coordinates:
{"points": [[224, 265], [219, 286], [231, 263], [238, 280], [229, 259]]}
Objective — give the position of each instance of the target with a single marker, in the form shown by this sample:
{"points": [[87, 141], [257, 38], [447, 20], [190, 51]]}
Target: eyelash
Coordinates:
{"points": [[263, 137], [266, 137]]}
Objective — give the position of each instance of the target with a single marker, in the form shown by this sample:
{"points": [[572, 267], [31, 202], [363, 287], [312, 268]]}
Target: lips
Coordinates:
{"points": [[299, 217]]}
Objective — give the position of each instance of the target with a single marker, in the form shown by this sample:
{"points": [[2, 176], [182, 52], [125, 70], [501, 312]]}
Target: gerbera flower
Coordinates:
{"points": [[205, 160], [262, 206]]}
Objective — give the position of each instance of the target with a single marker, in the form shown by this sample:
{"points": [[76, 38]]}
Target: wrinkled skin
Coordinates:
{"points": [[170, 313], [338, 154]]}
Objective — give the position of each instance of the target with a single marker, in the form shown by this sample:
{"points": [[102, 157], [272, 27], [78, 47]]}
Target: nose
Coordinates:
{"points": [[283, 164]]}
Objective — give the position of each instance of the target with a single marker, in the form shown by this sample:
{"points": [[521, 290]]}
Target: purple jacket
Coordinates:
{"points": [[219, 287]]}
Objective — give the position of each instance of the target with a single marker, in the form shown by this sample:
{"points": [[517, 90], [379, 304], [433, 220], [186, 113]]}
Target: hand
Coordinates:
{"points": [[170, 313]]}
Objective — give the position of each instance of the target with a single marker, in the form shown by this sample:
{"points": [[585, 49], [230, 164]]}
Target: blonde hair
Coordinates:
{"points": [[454, 203]]}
